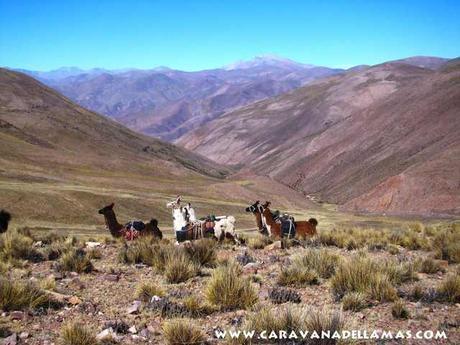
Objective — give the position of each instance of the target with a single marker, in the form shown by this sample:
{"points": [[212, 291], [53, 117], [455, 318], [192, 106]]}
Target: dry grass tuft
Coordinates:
{"points": [[259, 242], [446, 245], [17, 246], [354, 301], [17, 295], [228, 290], [182, 331], [363, 275], [430, 266], [203, 252], [75, 260], [295, 275], [146, 290], [48, 283], [179, 268], [77, 334], [449, 289], [399, 310], [322, 261]]}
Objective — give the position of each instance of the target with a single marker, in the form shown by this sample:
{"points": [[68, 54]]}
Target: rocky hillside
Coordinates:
{"points": [[168, 103], [383, 139]]}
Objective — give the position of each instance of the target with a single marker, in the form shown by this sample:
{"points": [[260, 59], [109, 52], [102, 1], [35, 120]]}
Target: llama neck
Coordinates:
{"points": [[268, 218], [259, 220], [272, 226], [112, 223]]}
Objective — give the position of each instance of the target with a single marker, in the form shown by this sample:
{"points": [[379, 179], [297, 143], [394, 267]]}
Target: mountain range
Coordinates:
{"points": [[378, 139], [60, 163], [384, 139], [167, 103]]}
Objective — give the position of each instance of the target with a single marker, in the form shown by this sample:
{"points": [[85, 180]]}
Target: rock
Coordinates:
{"points": [[57, 276], [11, 340], [132, 330], [273, 246], [283, 295], [74, 300], [107, 335], [140, 266], [134, 308], [144, 333], [91, 245], [112, 277], [77, 283], [118, 326], [245, 259], [155, 298], [24, 335], [87, 308], [73, 274], [17, 315], [38, 244], [251, 267], [58, 297]]}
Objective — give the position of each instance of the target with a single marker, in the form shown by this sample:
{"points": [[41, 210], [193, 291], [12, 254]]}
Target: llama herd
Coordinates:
{"points": [[188, 228]]}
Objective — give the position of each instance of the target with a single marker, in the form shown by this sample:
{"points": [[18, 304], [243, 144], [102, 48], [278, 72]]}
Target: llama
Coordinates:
{"points": [[130, 230]]}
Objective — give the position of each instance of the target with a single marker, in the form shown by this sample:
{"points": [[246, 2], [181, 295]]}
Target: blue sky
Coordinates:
{"points": [[194, 35]]}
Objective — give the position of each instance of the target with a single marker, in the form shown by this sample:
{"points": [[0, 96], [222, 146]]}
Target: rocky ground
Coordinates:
{"points": [[104, 300]]}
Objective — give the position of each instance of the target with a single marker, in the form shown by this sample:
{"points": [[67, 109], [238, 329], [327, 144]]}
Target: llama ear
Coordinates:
{"points": [[257, 202], [111, 205]]}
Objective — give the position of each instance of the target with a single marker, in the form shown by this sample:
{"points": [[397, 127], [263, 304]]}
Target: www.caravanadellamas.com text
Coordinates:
{"points": [[345, 334]]}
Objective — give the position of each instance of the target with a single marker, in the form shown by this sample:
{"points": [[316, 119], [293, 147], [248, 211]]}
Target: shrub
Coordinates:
{"points": [[399, 310], [196, 308], [16, 246], [203, 252], [430, 266], [181, 331], [297, 276], [393, 249], [140, 251], [320, 320], [17, 295], [228, 290], [447, 245], [77, 334], [49, 283], [75, 261], [321, 260], [361, 274], [449, 289], [179, 268], [259, 242], [399, 272], [354, 301], [146, 290], [50, 237]]}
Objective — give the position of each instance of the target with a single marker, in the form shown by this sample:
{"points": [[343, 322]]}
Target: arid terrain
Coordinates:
{"points": [[157, 293], [64, 280]]}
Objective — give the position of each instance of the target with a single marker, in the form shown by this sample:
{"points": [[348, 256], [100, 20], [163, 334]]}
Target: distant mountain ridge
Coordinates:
{"points": [[167, 103]]}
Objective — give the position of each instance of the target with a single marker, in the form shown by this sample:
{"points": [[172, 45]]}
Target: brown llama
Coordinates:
{"points": [[303, 229], [119, 230]]}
